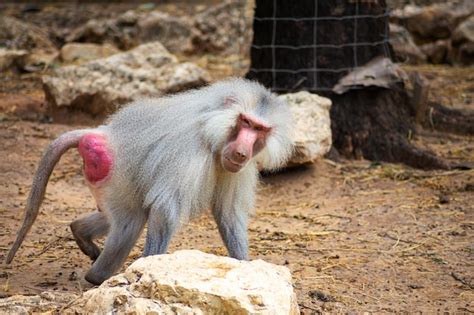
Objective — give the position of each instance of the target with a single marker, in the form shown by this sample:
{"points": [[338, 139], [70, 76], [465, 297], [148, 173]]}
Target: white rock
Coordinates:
{"points": [[136, 27], [172, 31], [465, 31], [312, 133], [35, 60], [19, 34], [46, 302], [192, 282], [103, 85], [86, 51], [224, 28], [9, 57], [38, 60]]}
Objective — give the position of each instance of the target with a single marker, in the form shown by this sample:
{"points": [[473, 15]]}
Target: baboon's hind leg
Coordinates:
{"points": [[125, 228], [88, 228]]}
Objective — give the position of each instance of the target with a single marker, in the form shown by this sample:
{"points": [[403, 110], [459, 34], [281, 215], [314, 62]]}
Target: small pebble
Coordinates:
{"points": [[443, 199], [73, 276]]}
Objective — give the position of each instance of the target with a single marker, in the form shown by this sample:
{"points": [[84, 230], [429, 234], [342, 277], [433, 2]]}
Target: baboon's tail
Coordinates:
{"points": [[51, 156]]}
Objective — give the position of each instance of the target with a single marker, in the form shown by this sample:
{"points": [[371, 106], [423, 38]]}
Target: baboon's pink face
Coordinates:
{"points": [[246, 140]]}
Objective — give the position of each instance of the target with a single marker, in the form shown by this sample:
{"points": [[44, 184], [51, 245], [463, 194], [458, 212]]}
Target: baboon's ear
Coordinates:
{"points": [[229, 101]]}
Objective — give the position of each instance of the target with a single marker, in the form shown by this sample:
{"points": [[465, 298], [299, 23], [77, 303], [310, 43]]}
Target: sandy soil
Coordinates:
{"points": [[357, 236]]}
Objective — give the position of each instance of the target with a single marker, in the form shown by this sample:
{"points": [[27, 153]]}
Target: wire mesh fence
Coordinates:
{"points": [[314, 43]]}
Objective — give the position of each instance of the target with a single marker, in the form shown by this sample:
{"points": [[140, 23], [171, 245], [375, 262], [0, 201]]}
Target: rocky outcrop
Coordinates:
{"points": [[81, 52], [16, 34], [463, 43], [185, 282], [437, 52], [405, 49], [38, 60], [223, 29], [312, 132], [119, 32], [431, 22], [442, 31], [173, 32], [192, 282], [133, 28], [10, 58], [220, 29], [101, 86], [45, 303]]}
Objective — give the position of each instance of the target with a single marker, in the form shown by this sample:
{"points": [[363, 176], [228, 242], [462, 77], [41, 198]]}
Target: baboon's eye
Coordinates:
{"points": [[245, 122]]}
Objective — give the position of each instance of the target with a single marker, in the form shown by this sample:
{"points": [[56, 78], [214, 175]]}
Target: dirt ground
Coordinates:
{"points": [[358, 236]]}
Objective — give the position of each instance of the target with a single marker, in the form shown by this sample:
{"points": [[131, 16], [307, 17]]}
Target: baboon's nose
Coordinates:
{"points": [[240, 156]]}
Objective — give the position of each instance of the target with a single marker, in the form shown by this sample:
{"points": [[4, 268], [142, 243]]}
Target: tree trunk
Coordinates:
{"points": [[296, 52]]}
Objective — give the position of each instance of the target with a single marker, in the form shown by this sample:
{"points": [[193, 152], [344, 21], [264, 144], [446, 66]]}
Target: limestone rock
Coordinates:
{"points": [[404, 47], [192, 282], [463, 43], [312, 134], [464, 54], [118, 31], [16, 34], [464, 32], [22, 36], [137, 27], [86, 51], [437, 52], [431, 22], [9, 58], [38, 60], [46, 302], [223, 28], [101, 86], [173, 32]]}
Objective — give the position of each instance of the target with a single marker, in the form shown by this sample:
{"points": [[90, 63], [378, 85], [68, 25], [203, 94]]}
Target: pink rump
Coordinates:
{"points": [[97, 157]]}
